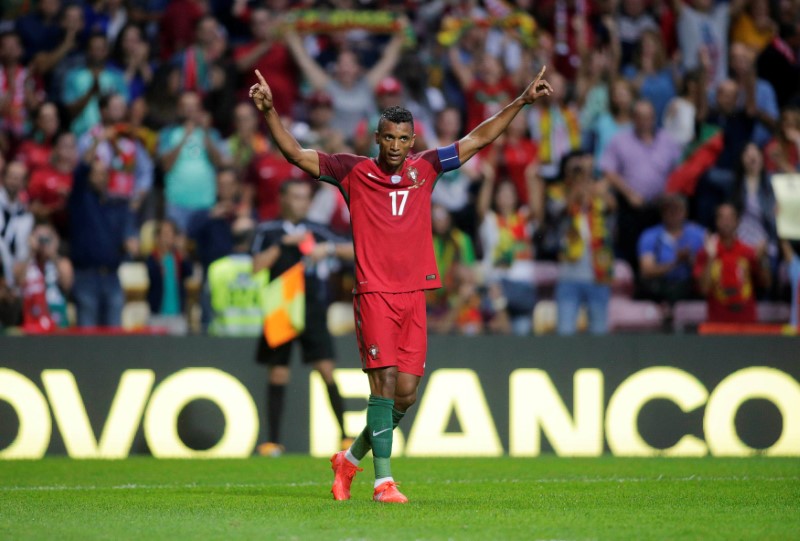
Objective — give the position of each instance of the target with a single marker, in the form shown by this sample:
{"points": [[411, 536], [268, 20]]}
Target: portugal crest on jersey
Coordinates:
{"points": [[413, 176]]}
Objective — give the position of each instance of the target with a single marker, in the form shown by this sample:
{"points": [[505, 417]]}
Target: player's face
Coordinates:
{"points": [[394, 142]]}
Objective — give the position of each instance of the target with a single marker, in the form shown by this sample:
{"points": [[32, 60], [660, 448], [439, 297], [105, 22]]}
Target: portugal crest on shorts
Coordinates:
{"points": [[374, 352]]}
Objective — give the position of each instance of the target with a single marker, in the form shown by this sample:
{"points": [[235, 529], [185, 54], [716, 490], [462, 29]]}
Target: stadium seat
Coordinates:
{"points": [[687, 315], [134, 280], [625, 314], [545, 276], [545, 318], [340, 318], [135, 315], [147, 237], [773, 312], [624, 281]]}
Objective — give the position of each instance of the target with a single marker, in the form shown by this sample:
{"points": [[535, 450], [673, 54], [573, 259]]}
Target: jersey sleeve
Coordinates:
{"points": [[336, 168]]}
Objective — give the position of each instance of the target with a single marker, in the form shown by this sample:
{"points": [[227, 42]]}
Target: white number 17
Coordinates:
{"points": [[404, 195]]}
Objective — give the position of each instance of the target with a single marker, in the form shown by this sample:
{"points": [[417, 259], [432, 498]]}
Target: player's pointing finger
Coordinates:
{"points": [[541, 73], [260, 78]]}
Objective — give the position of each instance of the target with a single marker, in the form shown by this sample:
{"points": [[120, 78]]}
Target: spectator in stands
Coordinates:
{"points": [[554, 126], [515, 157], [211, 229], [65, 53], [108, 16], [782, 153], [653, 76], [616, 119], [34, 151], [633, 20], [16, 221], [83, 86], [456, 306], [754, 26], [737, 125], [177, 25], [50, 185], [10, 303], [586, 259], [247, 141], [506, 233], [485, 84], [45, 279], [728, 272], [779, 63], [318, 132], [743, 71], [267, 173], [704, 24], [189, 151], [195, 61], [667, 252], [269, 54], [168, 269], [684, 110], [102, 234], [454, 189], [791, 254], [636, 163], [163, 97], [132, 57], [756, 206], [40, 30], [19, 88], [351, 87], [130, 166]]}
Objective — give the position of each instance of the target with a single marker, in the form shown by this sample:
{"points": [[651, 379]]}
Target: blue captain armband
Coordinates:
{"points": [[448, 157]]}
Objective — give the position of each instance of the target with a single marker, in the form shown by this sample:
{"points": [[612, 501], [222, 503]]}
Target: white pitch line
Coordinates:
{"points": [[135, 486]]}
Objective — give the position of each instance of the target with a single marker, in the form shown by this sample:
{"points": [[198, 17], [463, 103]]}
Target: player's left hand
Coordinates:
{"points": [[538, 88]]}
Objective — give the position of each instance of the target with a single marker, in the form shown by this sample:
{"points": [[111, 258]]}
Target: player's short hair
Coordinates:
{"points": [[396, 115]]}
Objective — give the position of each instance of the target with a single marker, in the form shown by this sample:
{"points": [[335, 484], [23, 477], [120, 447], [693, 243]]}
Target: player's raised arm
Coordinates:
{"points": [[491, 128], [304, 158]]}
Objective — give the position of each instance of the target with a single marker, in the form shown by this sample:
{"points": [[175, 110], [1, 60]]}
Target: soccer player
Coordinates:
{"points": [[390, 207]]}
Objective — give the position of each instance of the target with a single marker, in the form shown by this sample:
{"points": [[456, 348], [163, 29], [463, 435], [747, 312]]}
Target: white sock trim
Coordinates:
{"points": [[351, 459], [382, 480]]}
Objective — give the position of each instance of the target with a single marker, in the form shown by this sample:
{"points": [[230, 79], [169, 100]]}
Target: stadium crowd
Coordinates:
{"points": [[637, 194]]}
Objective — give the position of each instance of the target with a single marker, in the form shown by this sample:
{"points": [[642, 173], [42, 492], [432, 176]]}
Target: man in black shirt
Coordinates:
{"points": [[279, 245]]}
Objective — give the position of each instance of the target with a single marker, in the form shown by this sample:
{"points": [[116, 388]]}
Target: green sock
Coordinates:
{"points": [[361, 445], [379, 424]]}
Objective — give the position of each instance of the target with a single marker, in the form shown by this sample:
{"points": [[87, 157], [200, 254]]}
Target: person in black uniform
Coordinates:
{"points": [[278, 245]]}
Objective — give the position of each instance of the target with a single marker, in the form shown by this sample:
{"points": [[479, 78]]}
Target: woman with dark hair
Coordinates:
{"points": [[755, 201], [132, 56]]}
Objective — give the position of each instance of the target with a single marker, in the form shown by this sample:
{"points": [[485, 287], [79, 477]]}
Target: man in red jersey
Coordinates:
{"points": [[390, 208]]}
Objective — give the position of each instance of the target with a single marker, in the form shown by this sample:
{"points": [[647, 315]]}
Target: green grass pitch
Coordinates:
{"points": [[487, 499]]}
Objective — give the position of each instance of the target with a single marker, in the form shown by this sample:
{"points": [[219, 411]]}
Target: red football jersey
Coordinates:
{"points": [[390, 215]]}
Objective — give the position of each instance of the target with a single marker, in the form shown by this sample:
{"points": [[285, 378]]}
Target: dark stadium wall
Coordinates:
{"points": [[110, 397]]}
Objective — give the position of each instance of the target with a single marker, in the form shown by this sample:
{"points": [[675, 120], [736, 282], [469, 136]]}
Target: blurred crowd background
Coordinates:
{"points": [[637, 197]]}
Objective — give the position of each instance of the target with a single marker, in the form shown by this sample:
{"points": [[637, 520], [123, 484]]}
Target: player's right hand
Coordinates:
{"points": [[261, 94]]}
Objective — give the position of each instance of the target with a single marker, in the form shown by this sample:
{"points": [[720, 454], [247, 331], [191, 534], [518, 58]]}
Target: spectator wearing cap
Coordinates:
{"points": [[667, 252], [318, 132], [388, 93], [267, 53], [351, 87]]}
